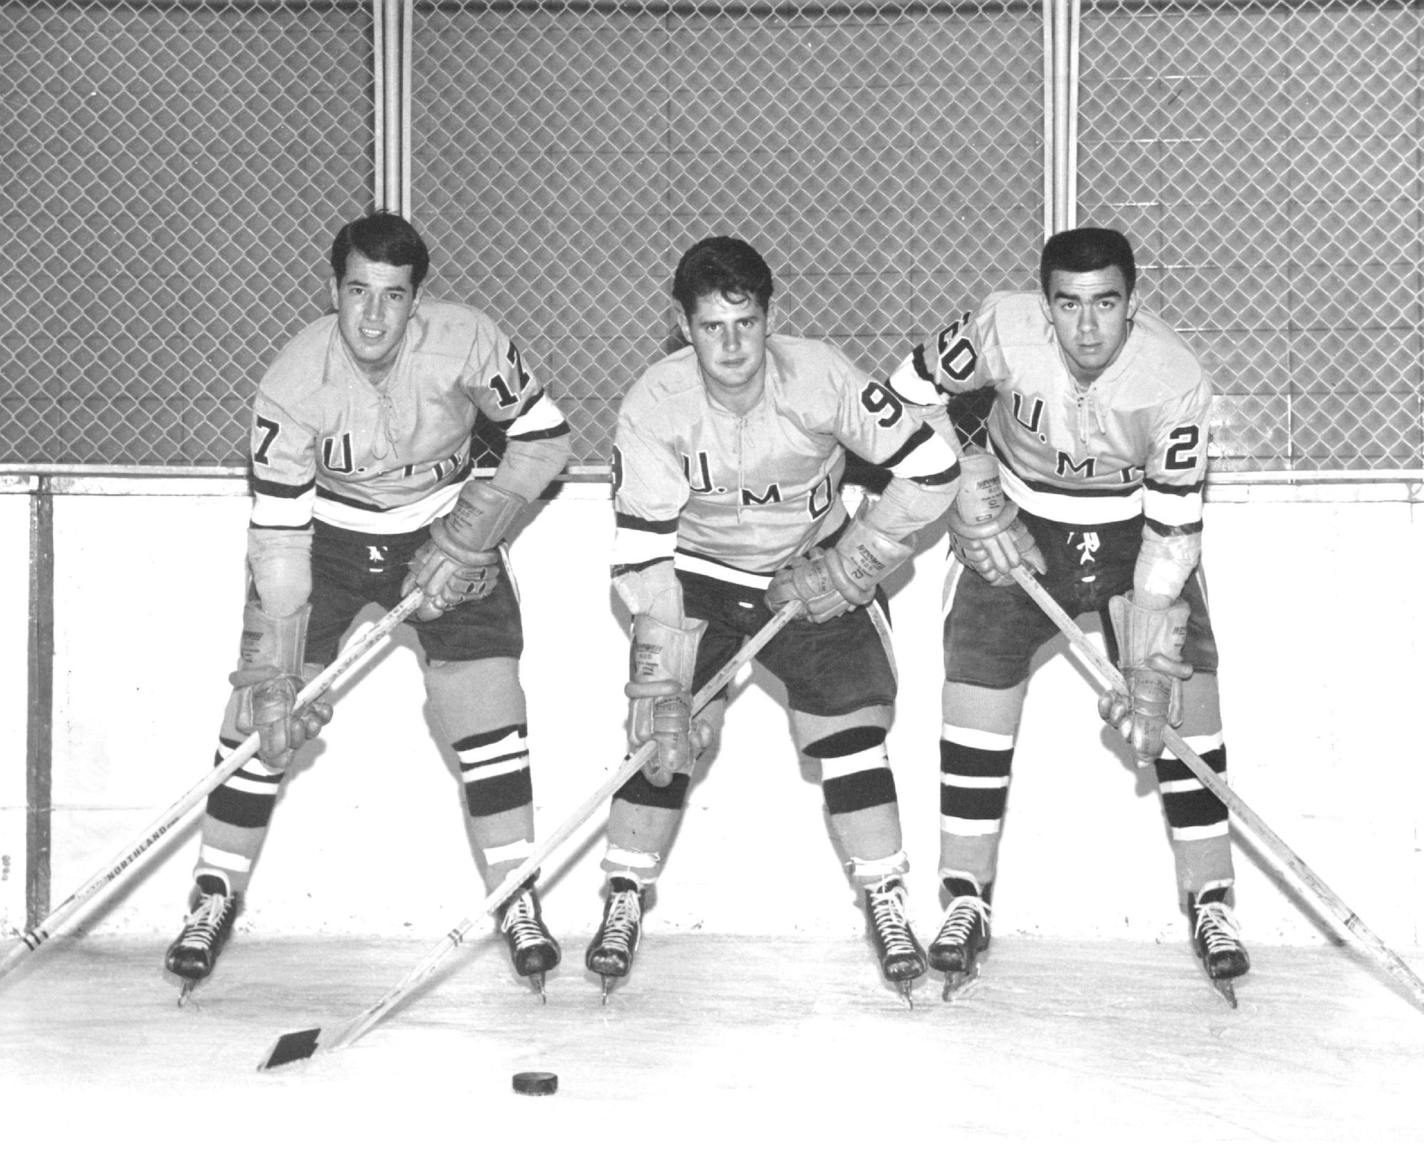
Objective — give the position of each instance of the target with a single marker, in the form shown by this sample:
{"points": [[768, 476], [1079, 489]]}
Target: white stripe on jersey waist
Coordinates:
{"points": [[1077, 509], [391, 521], [696, 564]]}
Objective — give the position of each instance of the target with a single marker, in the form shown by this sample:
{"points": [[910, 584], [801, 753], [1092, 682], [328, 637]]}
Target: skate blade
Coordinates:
{"points": [[537, 981], [1225, 987], [607, 983], [903, 988], [960, 985], [185, 991]]}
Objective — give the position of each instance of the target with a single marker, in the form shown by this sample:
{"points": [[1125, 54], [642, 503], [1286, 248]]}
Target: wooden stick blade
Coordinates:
{"points": [[1282, 854], [299, 1045]]}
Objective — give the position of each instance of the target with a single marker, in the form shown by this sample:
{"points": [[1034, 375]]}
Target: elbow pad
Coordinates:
{"points": [[280, 562], [1164, 564]]}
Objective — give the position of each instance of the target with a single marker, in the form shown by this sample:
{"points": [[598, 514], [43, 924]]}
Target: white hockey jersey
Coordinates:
{"points": [[329, 445], [743, 494], [1132, 442]]}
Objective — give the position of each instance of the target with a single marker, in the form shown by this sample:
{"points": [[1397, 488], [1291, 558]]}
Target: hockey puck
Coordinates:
{"points": [[536, 1084]]}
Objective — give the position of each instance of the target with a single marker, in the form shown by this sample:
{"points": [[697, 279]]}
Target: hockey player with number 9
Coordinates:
{"points": [[728, 457], [362, 491], [1098, 435]]}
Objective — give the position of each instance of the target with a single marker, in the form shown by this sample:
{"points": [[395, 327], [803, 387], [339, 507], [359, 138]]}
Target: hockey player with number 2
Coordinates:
{"points": [[362, 492], [1098, 434], [728, 457]]}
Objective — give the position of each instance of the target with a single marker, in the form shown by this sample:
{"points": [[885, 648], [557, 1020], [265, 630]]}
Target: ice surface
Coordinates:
{"points": [[1097, 1043]]}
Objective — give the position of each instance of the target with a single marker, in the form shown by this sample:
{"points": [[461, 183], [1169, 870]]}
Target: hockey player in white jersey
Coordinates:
{"points": [[727, 463], [362, 490], [1098, 428]]}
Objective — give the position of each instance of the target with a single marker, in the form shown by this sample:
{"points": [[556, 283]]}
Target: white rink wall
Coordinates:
{"points": [[1316, 600]]}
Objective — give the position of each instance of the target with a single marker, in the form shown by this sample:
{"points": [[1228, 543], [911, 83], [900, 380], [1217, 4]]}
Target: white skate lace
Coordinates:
{"points": [[201, 926], [887, 908], [522, 924], [620, 920], [1217, 927], [964, 914]]}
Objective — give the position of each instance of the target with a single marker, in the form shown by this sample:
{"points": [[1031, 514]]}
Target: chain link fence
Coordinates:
{"points": [[887, 160], [174, 170], [171, 175], [1265, 154]]}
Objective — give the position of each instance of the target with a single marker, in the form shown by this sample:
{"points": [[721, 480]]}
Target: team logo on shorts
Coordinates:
{"points": [[1087, 546]]}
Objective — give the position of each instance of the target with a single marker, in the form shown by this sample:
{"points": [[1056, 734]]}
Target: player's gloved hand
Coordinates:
{"points": [[1150, 649], [460, 562], [807, 580], [268, 706], [993, 549], [660, 697], [267, 681], [662, 712], [828, 582], [449, 579], [984, 528]]}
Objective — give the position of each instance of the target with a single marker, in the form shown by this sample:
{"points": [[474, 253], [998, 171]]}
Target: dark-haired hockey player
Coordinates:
{"points": [[1099, 431], [727, 462], [361, 462]]}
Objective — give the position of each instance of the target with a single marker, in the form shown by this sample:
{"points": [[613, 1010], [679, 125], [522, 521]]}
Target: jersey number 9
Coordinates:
{"points": [[880, 400]]}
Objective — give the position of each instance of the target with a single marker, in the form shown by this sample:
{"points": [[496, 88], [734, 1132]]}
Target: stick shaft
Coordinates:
{"points": [[355, 654], [349, 1032], [1111, 676]]}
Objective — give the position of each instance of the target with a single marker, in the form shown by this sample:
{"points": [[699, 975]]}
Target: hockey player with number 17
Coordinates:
{"points": [[362, 491], [1098, 432], [728, 457]]}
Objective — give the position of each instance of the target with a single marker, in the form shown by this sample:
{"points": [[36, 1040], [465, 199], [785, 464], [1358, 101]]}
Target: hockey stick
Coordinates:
{"points": [[356, 653], [301, 1044], [1112, 677]]}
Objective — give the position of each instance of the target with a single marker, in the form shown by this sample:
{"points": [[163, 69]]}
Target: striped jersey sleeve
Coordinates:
{"points": [[650, 490]]}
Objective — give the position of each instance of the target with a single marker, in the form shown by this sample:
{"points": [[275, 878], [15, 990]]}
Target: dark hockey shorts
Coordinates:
{"points": [[828, 668], [351, 569], [992, 633]]}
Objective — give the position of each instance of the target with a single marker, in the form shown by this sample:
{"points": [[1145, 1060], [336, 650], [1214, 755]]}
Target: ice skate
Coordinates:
{"points": [[532, 948], [902, 958], [1216, 936], [964, 934], [205, 931], [610, 954]]}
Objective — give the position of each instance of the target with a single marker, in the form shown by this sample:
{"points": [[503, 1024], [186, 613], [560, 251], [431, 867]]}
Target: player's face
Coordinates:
{"points": [[374, 303], [728, 336], [1092, 313]]}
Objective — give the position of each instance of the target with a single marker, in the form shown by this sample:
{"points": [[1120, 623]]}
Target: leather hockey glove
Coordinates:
{"points": [[266, 683], [1150, 654], [984, 529], [830, 582], [660, 695], [460, 562]]}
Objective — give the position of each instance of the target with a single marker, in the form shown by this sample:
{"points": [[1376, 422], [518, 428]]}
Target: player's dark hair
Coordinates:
{"points": [[721, 265], [1087, 249], [382, 237]]}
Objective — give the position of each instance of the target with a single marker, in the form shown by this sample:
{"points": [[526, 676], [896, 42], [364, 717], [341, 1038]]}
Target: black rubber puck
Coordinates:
{"points": [[536, 1084]]}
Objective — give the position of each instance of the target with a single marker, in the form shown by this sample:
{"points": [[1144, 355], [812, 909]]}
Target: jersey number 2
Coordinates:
{"points": [[1182, 454]]}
